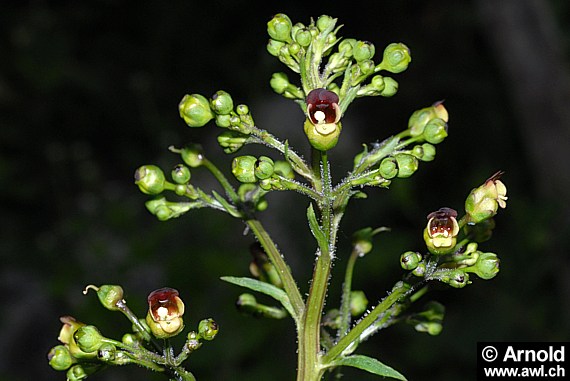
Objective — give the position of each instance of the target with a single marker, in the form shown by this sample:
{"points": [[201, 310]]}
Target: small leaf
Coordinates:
{"points": [[265, 288], [314, 225], [369, 364], [227, 206]]}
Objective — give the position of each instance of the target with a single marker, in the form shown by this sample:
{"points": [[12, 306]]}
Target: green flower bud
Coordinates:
{"points": [[221, 103], [407, 164], [193, 155], [76, 373], [223, 120], [424, 152], [243, 168], [483, 202], [318, 139], [435, 131], [131, 340], [346, 47], [284, 169], [396, 58], [440, 234], [388, 168], [274, 47], [420, 118], [410, 260], [279, 82], [294, 48], [363, 50], [325, 22], [279, 27], [232, 141], [88, 338], [432, 328], [366, 67], [303, 37], [242, 109], [390, 87], [455, 278], [358, 303], [59, 358], [486, 267], [106, 352], [180, 174], [165, 210], [420, 271], [208, 329], [150, 179], [264, 167], [109, 295], [195, 110]]}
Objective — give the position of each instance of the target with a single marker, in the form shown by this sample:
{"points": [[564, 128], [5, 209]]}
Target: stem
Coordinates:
{"points": [[283, 270], [354, 334], [230, 191], [309, 368], [346, 288]]}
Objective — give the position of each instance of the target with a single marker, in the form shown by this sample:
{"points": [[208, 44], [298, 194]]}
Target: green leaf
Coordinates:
{"points": [[265, 288], [314, 225], [369, 364], [227, 206]]}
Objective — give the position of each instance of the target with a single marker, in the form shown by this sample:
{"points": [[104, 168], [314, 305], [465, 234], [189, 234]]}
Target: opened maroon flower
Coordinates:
{"points": [[165, 308], [322, 107], [442, 227]]}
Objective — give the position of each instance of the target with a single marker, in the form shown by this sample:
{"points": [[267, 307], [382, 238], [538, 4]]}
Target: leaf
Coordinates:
{"points": [[265, 288], [369, 364], [227, 206], [314, 225]]}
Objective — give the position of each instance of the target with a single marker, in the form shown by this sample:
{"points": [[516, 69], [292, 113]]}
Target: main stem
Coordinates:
{"points": [[309, 365]]}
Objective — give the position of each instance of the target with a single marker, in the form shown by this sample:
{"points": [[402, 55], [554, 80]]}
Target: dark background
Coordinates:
{"points": [[89, 91]]}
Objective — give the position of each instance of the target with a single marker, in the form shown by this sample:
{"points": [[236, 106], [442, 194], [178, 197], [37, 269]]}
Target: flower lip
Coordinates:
{"points": [[164, 304], [322, 106]]}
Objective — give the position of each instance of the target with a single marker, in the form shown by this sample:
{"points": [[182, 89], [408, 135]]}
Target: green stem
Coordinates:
{"points": [[354, 334], [283, 270], [346, 289], [230, 191], [309, 368]]}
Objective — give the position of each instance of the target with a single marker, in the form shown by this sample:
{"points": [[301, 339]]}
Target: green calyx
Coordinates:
{"points": [[59, 358], [180, 174], [88, 338], [410, 260], [243, 168], [396, 58], [150, 179], [109, 295], [279, 27], [221, 103], [208, 329], [322, 139], [195, 110]]}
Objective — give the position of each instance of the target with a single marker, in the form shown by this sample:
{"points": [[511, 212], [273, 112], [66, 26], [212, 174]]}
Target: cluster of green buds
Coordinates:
{"points": [[84, 350], [268, 174]]}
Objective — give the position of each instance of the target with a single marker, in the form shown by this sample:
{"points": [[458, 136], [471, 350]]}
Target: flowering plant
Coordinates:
{"points": [[333, 73]]}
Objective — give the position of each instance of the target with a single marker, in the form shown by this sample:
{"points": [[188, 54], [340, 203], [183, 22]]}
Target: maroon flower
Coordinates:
{"points": [[441, 230], [322, 107], [165, 310]]}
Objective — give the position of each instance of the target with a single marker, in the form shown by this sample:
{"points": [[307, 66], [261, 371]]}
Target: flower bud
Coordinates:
{"points": [[396, 58], [59, 358], [325, 22], [150, 179], [106, 352], [109, 295], [363, 50], [274, 47], [424, 152], [243, 168], [435, 131], [279, 27], [284, 169], [420, 118], [221, 103], [208, 329], [264, 167], [195, 110], [232, 141], [223, 120], [70, 325], [165, 310], [88, 338], [486, 267], [358, 303], [131, 339], [76, 373], [420, 271], [303, 37], [388, 168], [440, 234], [484, 201], [165, 210], [455, 278], [180, 174], [390, 87], [407, 164], [279, 82], [193, 155], [410, 260]]}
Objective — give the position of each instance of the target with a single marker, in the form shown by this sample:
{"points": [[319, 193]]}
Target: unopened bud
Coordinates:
{"points": [[195, 110], [150, 179]]}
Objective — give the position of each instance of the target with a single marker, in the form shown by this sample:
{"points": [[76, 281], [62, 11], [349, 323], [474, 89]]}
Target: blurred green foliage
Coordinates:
{"points": [[89, 91]]}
